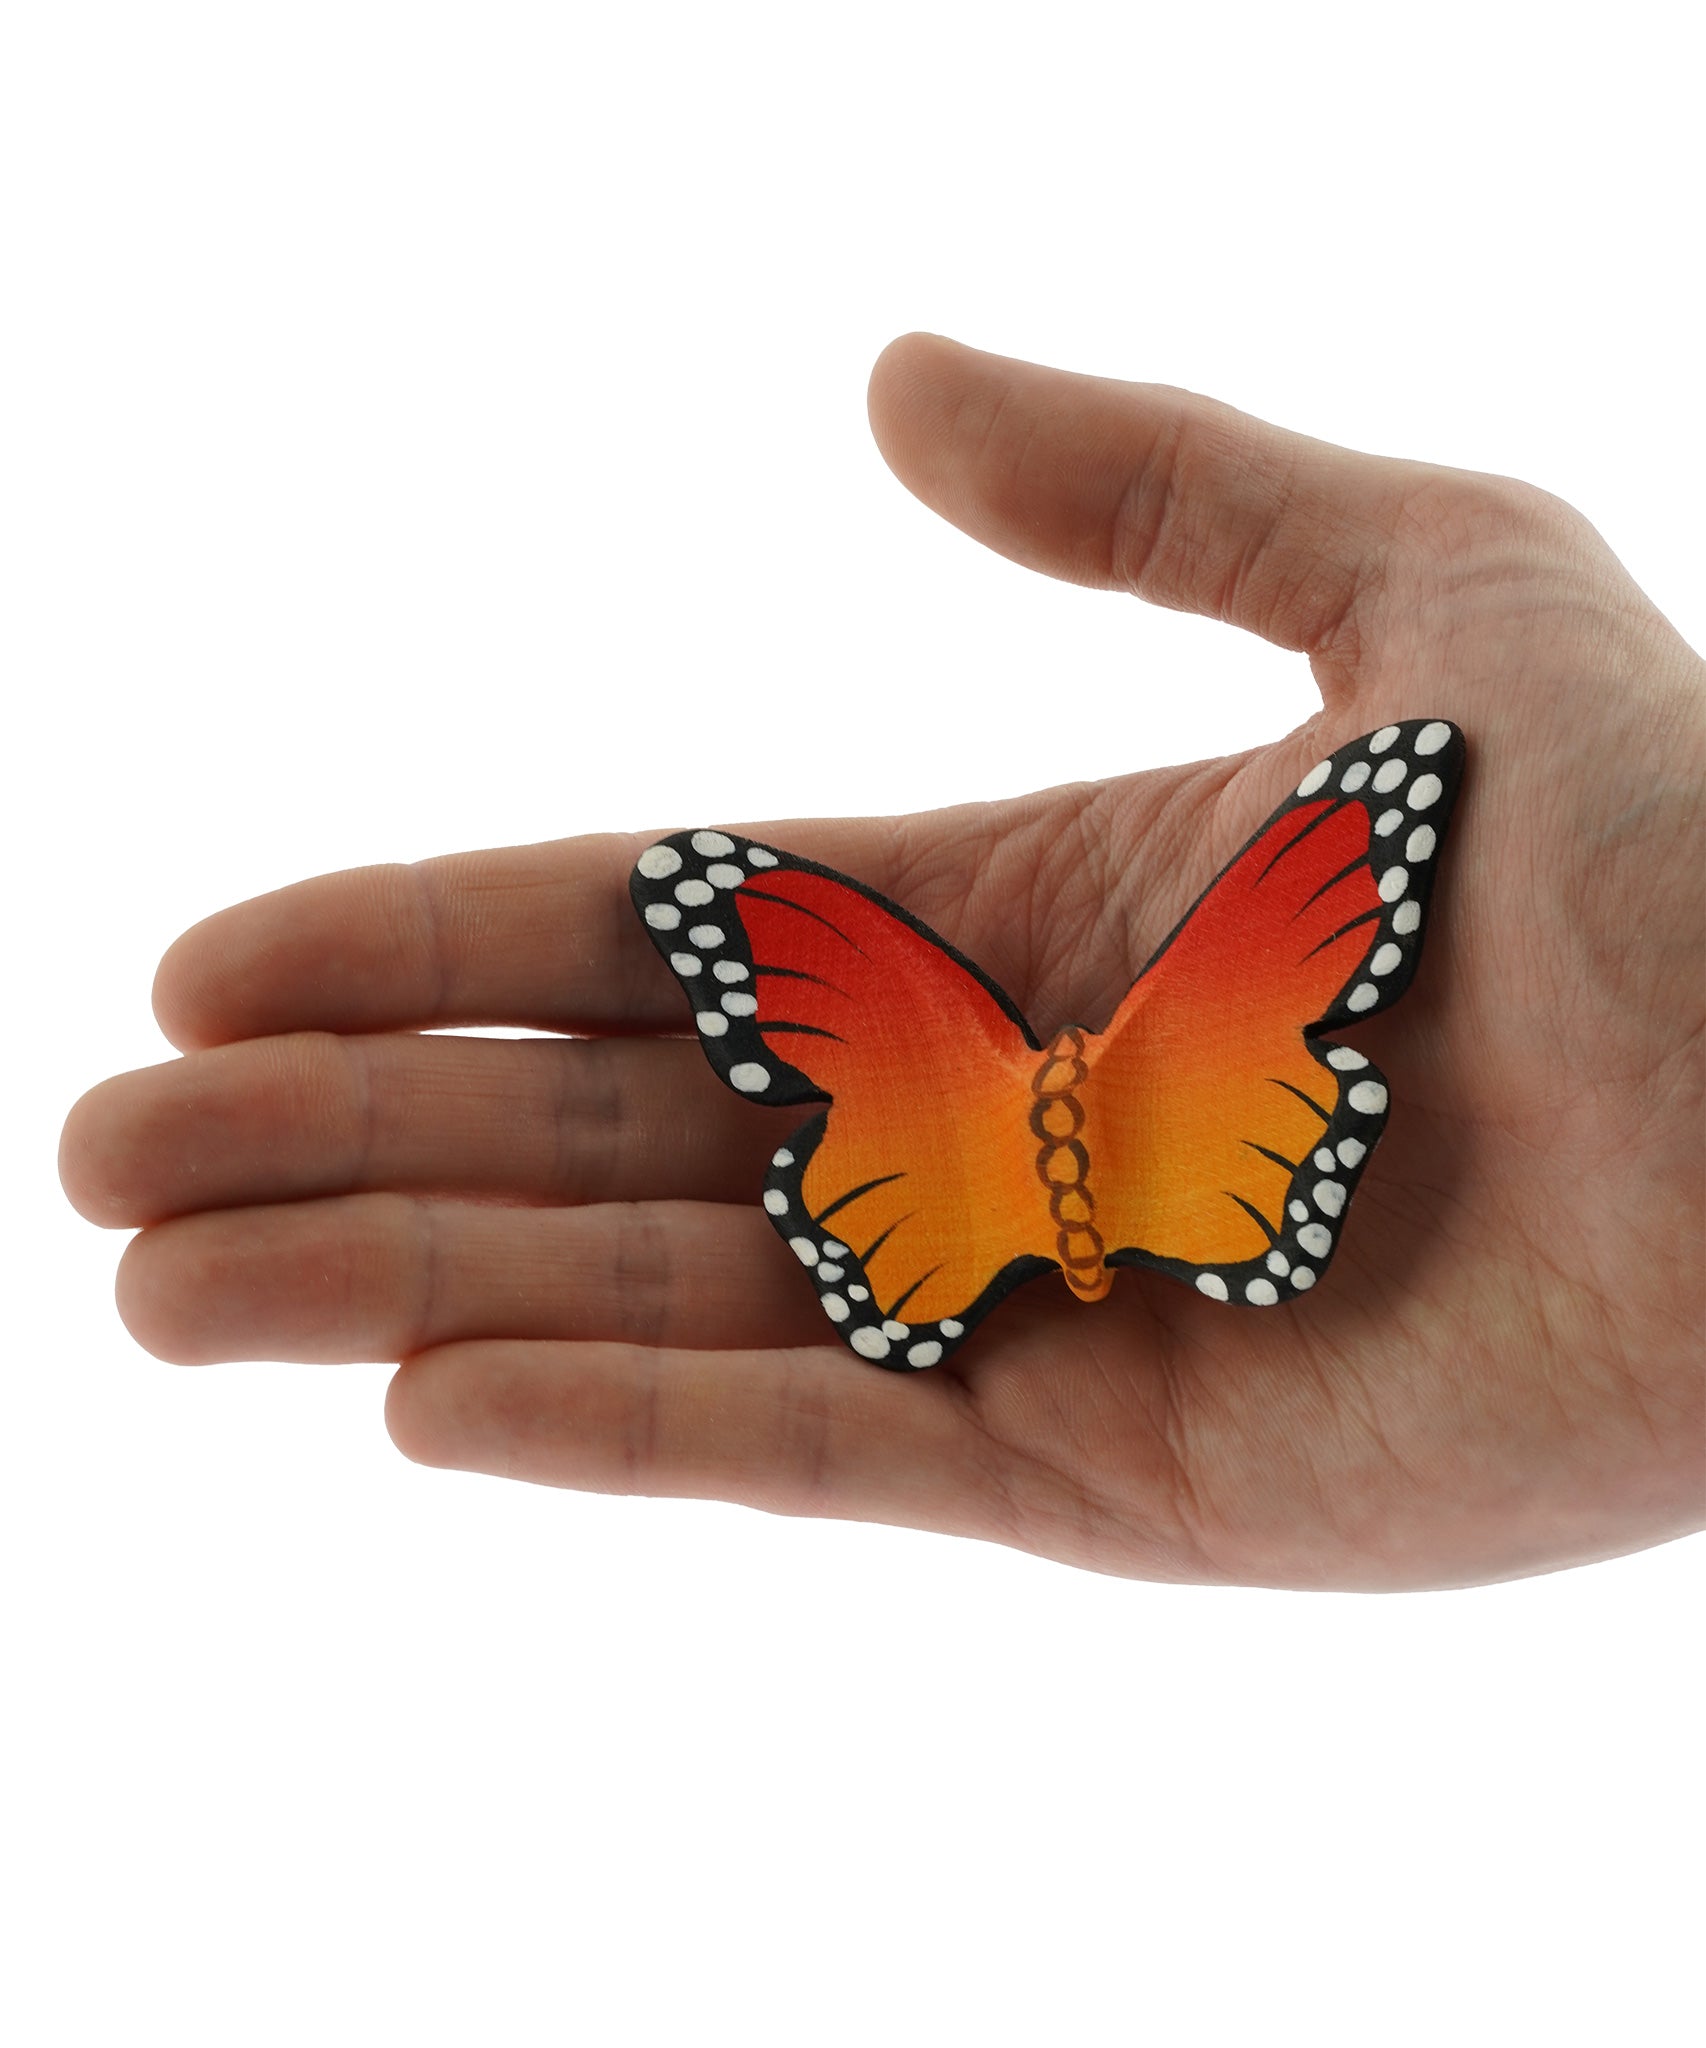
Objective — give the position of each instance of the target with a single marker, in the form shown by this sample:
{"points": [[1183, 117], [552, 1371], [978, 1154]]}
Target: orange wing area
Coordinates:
{"points": [[1203, 1099], [925, 1169]]}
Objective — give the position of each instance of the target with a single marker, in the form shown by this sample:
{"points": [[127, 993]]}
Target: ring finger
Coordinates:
{"points": [[377, 1276]]}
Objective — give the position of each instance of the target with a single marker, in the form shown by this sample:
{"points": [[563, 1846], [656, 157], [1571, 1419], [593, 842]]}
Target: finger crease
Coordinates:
{"points": [[432, 916], [358, 1065], [428, 1264], [640, 1271], [1142, 519]]}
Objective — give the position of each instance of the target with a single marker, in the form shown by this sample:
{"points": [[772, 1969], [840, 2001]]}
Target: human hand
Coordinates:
{"points": [[560, 1241]]}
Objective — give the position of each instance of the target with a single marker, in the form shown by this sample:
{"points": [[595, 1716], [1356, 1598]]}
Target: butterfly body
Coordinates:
{"points": [[1209, 1132], [1059, 1123]]}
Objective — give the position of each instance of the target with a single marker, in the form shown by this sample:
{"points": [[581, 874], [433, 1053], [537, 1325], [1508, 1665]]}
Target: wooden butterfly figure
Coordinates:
{"points": [[1209, 1132]]}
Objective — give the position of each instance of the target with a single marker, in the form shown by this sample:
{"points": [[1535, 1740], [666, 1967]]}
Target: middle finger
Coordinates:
{"points": [[313, 1114]]}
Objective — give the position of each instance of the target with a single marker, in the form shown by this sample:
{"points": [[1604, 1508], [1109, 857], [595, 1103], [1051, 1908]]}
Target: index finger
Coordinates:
{"points": [[541, 936]]}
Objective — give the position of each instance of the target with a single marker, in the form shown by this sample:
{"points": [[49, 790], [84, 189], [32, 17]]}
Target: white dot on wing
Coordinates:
{"points": [[1391, 774], [828, 1272], [706, 935], [804, 1250], [926, 1353], [1354, 777], [950, 1328], [859, 1293], [1385, 958], [740, 1006], [1425, 790], [1316, 1238], [1302, 1277], [1363, 997], [1262, 1292], [1388, 822], [1324, 1160], [1330, 1197], [775, 1201], [723, 876], [713, 845], [1432, 737], [1420, 843], [761, 856], [657, 862], [1352, 1151], [1278, 1263], [1368, 1098], [1406, 918], [834, 1249], [869, 1343], [1211, 1284], [1378, 742], [1346, 1059], [749, 1077], [835, 1308], [1307, 787], [662, 917], [1393, 884], [693, 894], [686, 963], [1297, 1211], [729, 970], [712, 1023], [896, 1331], [782, 1158]]}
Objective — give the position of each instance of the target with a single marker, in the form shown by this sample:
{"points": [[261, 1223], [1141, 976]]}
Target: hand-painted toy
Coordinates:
{"points": [[1208, 1132]]}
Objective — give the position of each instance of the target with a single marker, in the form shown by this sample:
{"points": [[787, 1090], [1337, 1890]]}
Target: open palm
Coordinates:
{"points": [[559, 1241]]}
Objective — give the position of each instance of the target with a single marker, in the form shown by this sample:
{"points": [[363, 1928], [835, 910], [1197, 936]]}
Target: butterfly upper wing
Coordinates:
{"points": [[1227, 1138], [912, 1201]]}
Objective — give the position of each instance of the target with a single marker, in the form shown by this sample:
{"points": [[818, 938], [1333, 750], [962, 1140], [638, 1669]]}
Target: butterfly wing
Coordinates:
{"points": [[912, 1200], [1228, 1138]]}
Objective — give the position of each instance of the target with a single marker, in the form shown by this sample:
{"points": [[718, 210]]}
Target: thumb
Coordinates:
{"points": [[1141, 487]]}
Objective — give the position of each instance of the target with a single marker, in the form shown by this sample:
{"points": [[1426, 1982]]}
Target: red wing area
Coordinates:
{"points": [[855, 995], [921, 1182], [1224, 1143]]}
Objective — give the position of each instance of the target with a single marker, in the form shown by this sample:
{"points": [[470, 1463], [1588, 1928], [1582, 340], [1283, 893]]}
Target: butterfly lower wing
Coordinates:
{"points": [[1290, 1192], [912, 1200], [1229, 1139], [883, 1299]]}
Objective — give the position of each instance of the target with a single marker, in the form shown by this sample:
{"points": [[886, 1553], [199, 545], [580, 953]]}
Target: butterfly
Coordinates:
{"points": [[1209, 1132]]}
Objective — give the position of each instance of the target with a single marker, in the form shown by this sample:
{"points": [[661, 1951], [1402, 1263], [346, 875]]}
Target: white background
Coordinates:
{"points": [[428, 427]]}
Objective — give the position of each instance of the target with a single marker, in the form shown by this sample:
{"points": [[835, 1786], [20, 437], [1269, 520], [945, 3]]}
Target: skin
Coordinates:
{"points": [[559, 1242]]}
